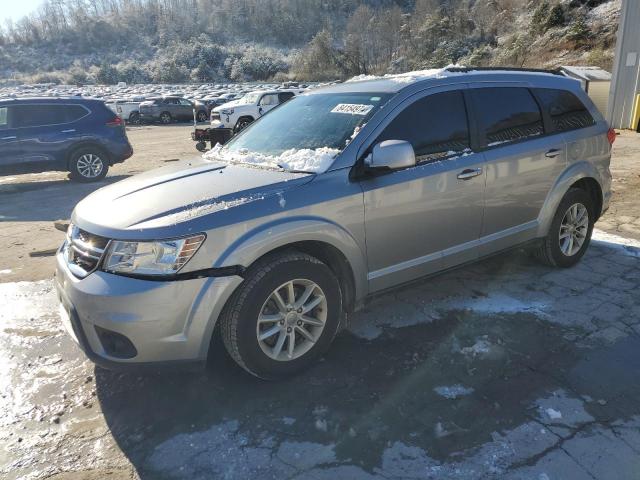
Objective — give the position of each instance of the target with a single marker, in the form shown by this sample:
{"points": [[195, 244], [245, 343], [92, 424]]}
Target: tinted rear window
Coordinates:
{"points": [[436, 126], [507, 115], [41, 115], [566, 110]]}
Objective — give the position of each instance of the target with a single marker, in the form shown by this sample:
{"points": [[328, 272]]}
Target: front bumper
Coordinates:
{"points": [[167, 322]]}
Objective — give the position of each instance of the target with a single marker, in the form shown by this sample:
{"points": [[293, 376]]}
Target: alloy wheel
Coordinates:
{"points": [[89, 165], [574, 229], [291, 320]]}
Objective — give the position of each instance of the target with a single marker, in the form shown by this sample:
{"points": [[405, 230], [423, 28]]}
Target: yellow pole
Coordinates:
{"points": [[636, 115]]}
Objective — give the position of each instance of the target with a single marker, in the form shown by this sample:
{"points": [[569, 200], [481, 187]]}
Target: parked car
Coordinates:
{"points": [[127, 110], [238, 114], [80, 135], [202, 109], [338, 194], [166, 110]]}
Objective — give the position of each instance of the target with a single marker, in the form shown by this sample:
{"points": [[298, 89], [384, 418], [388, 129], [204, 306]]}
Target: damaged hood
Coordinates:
{"points": [[163, 198]]}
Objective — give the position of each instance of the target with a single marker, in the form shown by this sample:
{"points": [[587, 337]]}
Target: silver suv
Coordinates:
{"points": [[273, 239]]}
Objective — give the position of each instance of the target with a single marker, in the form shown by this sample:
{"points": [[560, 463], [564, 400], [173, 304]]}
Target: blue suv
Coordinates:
{"points": [[79, 135]]}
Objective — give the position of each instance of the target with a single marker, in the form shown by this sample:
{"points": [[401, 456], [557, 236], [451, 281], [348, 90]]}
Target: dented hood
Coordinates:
{"points": [[163, 198]]}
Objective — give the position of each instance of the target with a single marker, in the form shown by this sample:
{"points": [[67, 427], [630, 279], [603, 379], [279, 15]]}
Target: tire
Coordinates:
{"points": [[134, 118], [88, 164], [202, 116], [166, 118], [242, 124], [555, 252], [201, 146], [240, 327]]}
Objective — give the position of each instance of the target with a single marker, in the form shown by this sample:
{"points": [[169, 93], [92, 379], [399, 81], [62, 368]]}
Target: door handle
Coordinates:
{"points": [[469, 173], [9, 138], [553, 153]]}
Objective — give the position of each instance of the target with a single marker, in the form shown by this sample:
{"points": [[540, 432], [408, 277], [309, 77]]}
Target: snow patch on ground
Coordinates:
{"points": [[453, 391], [497, 302], [479, 349], [629, 246], [305, 159]]}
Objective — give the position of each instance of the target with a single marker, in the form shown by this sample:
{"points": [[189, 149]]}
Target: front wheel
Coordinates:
{"points": [[88, 165], [570, 232], [242, 124], [284, 316]]}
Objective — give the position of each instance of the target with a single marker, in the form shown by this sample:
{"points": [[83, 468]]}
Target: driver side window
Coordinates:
{"points": [[268, 100], [436, 126]]}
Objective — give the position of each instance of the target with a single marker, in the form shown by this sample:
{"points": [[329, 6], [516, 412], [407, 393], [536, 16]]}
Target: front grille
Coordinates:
{"points": [[83, 251]]}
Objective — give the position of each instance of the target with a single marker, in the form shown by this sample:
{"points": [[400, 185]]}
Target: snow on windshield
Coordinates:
{"points": [[307, 160], [409, 77]]}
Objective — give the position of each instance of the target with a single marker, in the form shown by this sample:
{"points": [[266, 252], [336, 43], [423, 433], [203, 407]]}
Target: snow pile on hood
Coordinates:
{"points": [[409, 77], [305, 159]]}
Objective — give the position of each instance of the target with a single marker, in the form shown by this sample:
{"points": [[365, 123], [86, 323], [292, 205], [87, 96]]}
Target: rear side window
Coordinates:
{"points": [[284, 96], [507, 115], [566, 110], [436, 126], [42, 115], [4, 118]]}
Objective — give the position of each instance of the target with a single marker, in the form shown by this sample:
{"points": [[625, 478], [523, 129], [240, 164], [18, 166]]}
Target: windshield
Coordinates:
{"points": [[249, 98], [304, 134]]}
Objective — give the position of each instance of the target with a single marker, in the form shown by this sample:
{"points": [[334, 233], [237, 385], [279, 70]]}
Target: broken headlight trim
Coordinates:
{"points": [[161, 257]]}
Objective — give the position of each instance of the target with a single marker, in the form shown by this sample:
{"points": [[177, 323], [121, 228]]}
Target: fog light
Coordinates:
{"points": [[115, 344]]}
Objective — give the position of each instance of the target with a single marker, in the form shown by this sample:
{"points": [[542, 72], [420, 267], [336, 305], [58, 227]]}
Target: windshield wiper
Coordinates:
{"points": [[296, 171]]}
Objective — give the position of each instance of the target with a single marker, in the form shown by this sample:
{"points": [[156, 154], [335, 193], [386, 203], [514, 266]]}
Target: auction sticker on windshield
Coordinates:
{"points": [[352, 108]]}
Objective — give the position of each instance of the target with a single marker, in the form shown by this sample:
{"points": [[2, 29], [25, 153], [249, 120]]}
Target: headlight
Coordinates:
{"points": [[228, 111], [163, 257]]}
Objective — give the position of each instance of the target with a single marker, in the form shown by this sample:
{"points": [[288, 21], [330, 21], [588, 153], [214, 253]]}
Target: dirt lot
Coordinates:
{"points": [[501, 370]]}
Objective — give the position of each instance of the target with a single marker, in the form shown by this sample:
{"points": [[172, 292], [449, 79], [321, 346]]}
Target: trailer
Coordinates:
{"points": [[212, 135]]}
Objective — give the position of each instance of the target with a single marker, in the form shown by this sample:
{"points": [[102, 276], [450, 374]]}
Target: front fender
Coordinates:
{"points": [[576, 171], [280, 233]]}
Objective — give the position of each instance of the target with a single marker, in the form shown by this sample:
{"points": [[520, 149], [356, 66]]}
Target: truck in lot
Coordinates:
{"points": [[75, 134], [127, 110], [238, 114], [275, 238]]}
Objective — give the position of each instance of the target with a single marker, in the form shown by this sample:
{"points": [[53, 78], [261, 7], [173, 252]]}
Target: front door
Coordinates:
{"points": [[428, 217], [268, 102]]}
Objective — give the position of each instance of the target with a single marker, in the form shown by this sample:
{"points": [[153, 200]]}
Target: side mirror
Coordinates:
{"points": [[391, 155]]}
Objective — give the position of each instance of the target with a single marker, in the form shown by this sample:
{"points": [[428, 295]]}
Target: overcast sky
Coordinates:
{"points": [[16, 9]]}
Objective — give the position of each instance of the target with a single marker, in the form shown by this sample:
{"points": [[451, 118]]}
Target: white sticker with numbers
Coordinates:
{"points": [[352, 108]]}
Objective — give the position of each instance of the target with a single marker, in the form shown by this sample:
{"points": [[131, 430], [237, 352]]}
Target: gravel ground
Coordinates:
{"points": [[500, 370]]}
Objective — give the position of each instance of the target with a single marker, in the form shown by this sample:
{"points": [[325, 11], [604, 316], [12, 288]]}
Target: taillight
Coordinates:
{"points": [[611, 136], [115, 122]]}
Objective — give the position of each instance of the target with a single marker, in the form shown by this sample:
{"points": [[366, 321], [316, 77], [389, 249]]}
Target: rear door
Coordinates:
{"points": [[426, 218], [10, 151], [47, 132], [186, 109], [523, 161]]}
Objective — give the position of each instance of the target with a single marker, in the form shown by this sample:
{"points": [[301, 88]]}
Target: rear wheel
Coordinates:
{"points": [[134, 118], [570, 232], [202, 116], [165, 118], [88, 165], [283, 317]]}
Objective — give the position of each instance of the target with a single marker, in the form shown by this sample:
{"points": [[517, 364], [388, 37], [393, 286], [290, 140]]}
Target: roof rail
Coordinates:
{"points": [[502, 69]]}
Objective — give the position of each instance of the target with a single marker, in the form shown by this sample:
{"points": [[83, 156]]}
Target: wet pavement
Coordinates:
{"points": [[503, 369]]}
